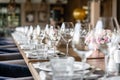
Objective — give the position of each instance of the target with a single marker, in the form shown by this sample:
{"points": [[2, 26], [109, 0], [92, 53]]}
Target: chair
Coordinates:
{"points": [[9, 56], [12, 65], [14, 70]]}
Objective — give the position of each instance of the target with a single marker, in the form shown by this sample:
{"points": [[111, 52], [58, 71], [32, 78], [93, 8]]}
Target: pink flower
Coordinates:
{"points": [[97, 40]]}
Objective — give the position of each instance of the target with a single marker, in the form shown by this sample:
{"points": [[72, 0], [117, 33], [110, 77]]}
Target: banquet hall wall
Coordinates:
{"points": [[106, 10], [118, 10]]}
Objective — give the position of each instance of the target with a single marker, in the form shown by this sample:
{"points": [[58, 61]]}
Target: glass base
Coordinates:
{"points": [[102, 78], [110, 78]]}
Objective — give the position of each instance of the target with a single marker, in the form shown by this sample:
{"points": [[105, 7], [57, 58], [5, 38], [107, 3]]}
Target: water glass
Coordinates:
{"points": [[31, 44], [62, 68], [41, 50]]}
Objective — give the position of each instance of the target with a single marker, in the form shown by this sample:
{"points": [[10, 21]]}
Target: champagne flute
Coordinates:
{"points": [[67, 33]]}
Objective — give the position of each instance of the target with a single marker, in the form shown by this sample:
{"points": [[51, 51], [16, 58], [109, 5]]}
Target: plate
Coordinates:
{"points": [[27, 47], [114, 78], [77, 66]]}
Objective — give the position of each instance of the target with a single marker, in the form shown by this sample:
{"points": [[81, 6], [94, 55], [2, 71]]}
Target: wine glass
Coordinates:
{"points": [[41, 36], [53, 36], [66, 32], [105, 28], [79, 45]]}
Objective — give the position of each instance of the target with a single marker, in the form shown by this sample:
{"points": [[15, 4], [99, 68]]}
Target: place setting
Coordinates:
{"points": [[43, 54], [71, 69]]}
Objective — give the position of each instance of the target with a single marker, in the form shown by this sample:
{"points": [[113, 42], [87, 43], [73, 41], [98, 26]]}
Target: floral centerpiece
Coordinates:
{"points": [[95, 39]]}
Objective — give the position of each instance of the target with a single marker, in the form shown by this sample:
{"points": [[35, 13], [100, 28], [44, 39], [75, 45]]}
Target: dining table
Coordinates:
{"points": [[96, 64]]}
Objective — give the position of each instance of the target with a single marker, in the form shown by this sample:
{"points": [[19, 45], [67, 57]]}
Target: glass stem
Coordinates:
{"points": [[54, 47], [67, 45], [41, 41], [106, 62], [83, 62], [53, 42]]}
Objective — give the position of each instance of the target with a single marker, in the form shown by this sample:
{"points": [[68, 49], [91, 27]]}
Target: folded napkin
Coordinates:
{"points": [[36, 54], [99, 27], [30, 31], [41, 54], [38, 29], [76, 32], [27, 47], [47, 29], [24, 47], [62, 27], [26, 29], [52, 51], [22, 42]]}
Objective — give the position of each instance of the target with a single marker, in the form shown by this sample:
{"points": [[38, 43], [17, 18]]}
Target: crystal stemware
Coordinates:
{"points": [[41, 36], [79, 45], [67, 33], [53, 36]]}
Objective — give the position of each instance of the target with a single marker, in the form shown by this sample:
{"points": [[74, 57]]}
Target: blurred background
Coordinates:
{"points": [[14, 13]]}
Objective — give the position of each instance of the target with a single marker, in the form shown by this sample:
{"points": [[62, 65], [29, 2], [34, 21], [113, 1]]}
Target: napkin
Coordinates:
{"points": [[99, 27], [35, 54], [77, 32], [31, 55], [47, 29], [52, 51], [78, 25], [34, 34], [27, 46], [24, 46], [30, 31], [26, 30], [51, 33], [62, 27], [38, 29]]}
